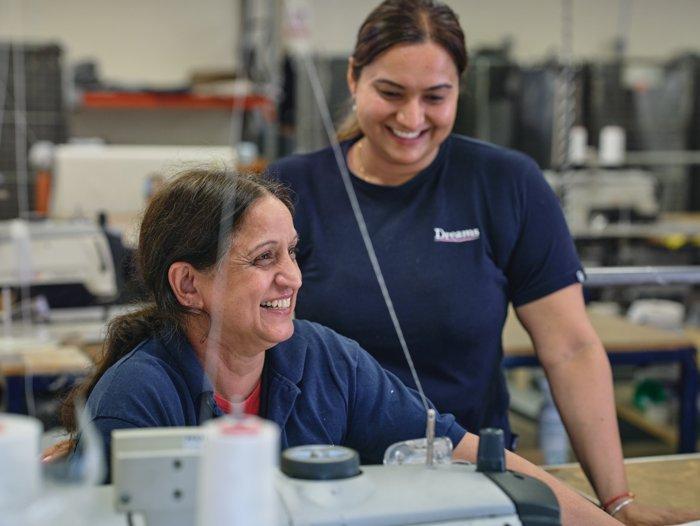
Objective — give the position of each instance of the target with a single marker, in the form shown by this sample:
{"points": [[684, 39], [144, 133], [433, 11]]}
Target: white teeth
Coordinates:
{"points": [[278, 304], [405, 135]]}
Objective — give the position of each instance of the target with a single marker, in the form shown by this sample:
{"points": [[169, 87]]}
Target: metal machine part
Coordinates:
{"points": [[430, 438], [155, 473], [625, 276], [453, 494], [155, 476]]}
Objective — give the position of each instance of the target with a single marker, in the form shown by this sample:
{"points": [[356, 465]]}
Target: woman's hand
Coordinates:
{"points": [[640, 515], [58, 451]]}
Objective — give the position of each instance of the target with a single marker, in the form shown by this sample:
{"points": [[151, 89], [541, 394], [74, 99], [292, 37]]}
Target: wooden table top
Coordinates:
{"points": [[47, 359], [670, 481], [616, 333]]}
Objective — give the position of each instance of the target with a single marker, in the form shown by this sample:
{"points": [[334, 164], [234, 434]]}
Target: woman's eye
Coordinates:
{"points": [[390, 94], [434, 99], [264, 259]]}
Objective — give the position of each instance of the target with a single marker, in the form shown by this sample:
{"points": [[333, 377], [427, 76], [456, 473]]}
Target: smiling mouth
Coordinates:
{"points": [[284, 303], [406, 134]]}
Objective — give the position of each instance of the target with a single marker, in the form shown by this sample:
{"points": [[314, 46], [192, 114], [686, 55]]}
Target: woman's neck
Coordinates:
{"points": [[233, 374], [369, 166]]}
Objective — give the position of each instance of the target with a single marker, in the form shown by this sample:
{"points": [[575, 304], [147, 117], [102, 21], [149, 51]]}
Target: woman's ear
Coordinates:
{"points": [[185, 282], [352, 82]]}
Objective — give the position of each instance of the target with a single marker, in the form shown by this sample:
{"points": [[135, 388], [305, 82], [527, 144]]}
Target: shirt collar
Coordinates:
{"points": [[286, 361], [186, 360]]}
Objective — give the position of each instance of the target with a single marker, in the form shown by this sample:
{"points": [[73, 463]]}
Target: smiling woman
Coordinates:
{"points": [[255, 301], [196, 284], [406, 102]]}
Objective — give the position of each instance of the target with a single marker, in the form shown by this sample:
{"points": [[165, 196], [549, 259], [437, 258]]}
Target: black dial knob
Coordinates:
{"points": [[320, 462], [491, 453]]}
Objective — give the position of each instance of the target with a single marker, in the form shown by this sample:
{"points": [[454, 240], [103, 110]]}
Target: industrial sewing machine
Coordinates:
{"points": [[155, 475], [157, 479], [56, 254], [597, 197]]}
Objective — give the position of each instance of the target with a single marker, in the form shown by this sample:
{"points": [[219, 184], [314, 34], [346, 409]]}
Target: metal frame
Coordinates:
{"points": [[624, 276], [687, 385]]}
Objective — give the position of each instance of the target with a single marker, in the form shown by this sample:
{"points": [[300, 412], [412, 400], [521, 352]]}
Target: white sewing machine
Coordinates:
{"points": [[55, 253], [155, 475], [115, 179], [593, 196]]}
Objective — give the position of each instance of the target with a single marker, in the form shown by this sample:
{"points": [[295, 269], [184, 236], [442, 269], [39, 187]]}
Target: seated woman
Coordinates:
{"points": [[217, 254]]}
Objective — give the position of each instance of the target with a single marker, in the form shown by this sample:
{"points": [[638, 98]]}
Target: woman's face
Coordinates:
{"points": [[254, 289], [406, 103]]}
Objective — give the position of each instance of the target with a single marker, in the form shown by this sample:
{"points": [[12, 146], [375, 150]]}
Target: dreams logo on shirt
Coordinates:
{"points": [[457, 236]]}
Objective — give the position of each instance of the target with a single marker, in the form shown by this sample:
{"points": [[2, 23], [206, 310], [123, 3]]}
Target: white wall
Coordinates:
{"points": [[138, 41], [657, 28], [161, 41]]}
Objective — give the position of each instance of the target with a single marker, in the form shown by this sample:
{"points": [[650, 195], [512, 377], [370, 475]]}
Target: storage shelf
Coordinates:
{"points": [[153, 100], [630, 414]]}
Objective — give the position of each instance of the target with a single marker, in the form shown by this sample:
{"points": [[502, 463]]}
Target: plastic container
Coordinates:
{"points": [[553, 440]]}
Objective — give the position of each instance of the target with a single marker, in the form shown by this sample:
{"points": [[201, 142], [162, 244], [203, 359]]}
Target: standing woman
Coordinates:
{"points": [[461, 229]]}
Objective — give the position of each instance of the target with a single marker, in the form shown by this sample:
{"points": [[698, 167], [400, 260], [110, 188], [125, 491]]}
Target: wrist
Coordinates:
{"points": [[617, 503], [620, 506]]}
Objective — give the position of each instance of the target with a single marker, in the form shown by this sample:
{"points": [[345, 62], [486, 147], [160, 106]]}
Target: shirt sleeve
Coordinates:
{"points": [[382, 411], [544, 257], [133, 394]]}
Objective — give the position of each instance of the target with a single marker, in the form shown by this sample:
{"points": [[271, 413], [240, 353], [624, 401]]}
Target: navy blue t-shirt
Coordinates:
{"points": [[319, 387], [477, 229]]}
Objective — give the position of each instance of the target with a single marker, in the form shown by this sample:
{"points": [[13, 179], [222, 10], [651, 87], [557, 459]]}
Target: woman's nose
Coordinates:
{"points": [[289, 274], [411, 114]]}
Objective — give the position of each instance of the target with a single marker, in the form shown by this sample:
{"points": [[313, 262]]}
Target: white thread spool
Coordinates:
{"points": [[578, 145], [20, 467], [612, 146], [237, 473]]}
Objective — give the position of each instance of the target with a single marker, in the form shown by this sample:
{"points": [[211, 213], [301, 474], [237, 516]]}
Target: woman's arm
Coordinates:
{"points": [[574, 508], [580, 377], [581, 381]]}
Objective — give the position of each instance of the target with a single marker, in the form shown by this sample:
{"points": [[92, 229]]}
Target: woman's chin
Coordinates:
{"points": [[281, 332]]}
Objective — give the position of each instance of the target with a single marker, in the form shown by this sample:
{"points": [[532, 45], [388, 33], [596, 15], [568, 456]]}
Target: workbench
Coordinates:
{"points": [[38, 364], [668, 481], [628, 344], [625, 342]]}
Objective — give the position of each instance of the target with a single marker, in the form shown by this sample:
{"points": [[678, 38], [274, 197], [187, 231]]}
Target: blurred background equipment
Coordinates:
{"points": [[117, 180], [68, 262]]}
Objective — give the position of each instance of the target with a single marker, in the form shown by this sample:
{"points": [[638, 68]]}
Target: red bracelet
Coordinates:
{"points": [[611, 501]]}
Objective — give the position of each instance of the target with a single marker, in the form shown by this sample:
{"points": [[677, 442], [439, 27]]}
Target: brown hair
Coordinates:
{"points": [[396, 22], [181, 223]]}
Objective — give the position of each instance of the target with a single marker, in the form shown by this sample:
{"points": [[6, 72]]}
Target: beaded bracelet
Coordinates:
{"points": [[613, 500], [626, 502]]}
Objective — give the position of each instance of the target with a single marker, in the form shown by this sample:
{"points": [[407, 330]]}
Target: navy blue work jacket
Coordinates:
{"points": [[318, 386]]}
